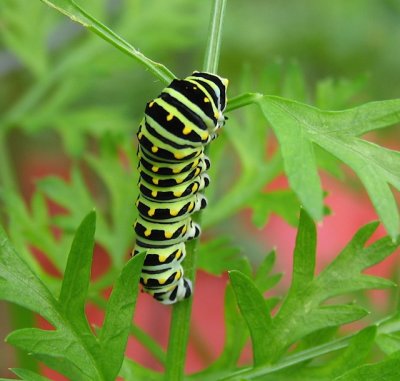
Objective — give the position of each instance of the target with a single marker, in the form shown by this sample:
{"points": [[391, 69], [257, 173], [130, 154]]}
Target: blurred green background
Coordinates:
{"points": [[62, 88]]}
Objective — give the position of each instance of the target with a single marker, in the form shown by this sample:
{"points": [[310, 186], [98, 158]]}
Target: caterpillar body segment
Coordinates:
{"points": [[176, 127]]}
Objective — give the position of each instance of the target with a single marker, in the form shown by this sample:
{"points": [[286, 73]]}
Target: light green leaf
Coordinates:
{"points": [[28, 375], [299, 126], [386, 370], [254, 310], [60, 349], [79, 15], [227, 259], [283, 203], [114, 333]]}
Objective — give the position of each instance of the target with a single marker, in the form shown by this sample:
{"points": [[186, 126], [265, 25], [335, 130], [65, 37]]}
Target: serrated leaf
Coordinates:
{"points": [[75, 284], [254, 310], [299, 126], [386, 370], [303, 311], [114, 333]]}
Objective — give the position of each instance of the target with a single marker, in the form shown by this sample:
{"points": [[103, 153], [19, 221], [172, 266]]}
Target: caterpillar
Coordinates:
{"points": [[176, 127]]}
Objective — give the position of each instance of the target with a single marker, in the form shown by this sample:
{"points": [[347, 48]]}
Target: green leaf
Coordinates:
{"points": [[28, 375], [304, 254], [386, 370], [283, 203], [254, 310], [61, 350], [114, 333], [20, 285], [77, 274], [79, 15], [262, 279], [299, 126], [302, 311], [227, 259]]}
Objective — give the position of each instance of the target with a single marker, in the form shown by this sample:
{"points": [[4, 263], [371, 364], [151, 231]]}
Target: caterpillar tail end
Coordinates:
{"points": [[181, 291]]}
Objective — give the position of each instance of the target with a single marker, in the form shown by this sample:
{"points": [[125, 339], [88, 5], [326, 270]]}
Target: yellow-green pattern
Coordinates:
{"points": [[177, 125]]}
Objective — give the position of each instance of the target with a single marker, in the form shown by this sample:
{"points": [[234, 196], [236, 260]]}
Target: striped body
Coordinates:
{"points": [[177, 125]]}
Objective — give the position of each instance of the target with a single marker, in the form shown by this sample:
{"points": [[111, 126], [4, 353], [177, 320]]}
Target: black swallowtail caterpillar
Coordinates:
{"points": [[177, 125]]}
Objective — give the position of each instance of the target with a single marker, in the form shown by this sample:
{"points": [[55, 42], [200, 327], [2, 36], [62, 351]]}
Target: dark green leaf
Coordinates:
{"points": [[114, 334], [304, 254], [77, 275]]}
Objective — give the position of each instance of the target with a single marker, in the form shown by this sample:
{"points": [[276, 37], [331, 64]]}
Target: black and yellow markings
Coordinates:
{"points": [[177, 126]]}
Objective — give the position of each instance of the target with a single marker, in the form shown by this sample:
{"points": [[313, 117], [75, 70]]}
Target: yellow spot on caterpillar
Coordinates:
{"points": [[195, 163], [178, 254], [162, 258], [176, 170], [184, 229], [191, 206], [177, 275], [173, 212], [204, 136], [179, 180], [137, 203], [161, 280], [151, 212], [154, 193], [147, 232], [178, 155], [187, 130], [140, 135], [168, 235], [154, 168], [154, 149], [155, 181], [169, 117], [198, 170], [206, 100], [144, 280], [178, 193], [195, 187], [151, 104]]}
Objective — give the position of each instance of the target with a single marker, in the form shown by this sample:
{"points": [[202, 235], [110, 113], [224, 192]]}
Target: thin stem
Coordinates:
{"points": [[180, 321], [214, 37], [79, 15]]}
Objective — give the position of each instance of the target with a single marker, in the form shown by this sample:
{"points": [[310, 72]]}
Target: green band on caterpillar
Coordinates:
{"points": [[177, 125]]}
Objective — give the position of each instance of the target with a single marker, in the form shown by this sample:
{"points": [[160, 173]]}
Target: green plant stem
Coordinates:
{"points": [[297, 358], [180, 321], [79, 15], [214, 37], [243, 100]]}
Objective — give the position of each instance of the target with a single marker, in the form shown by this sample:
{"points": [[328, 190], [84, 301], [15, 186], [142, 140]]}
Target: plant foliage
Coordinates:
{"points": [[78, 91]]}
